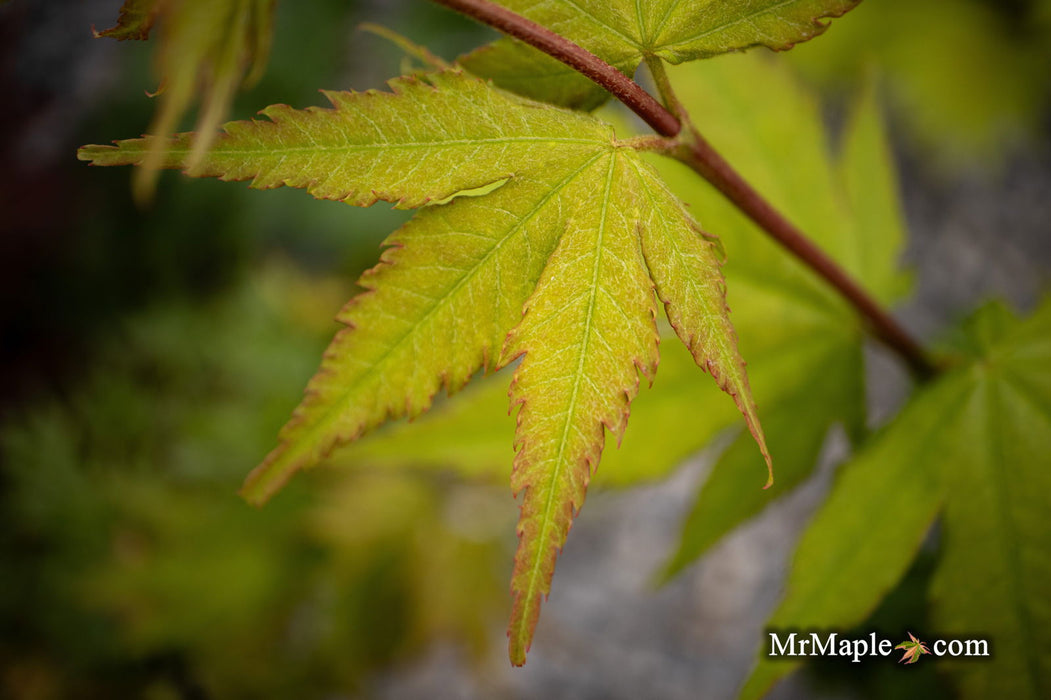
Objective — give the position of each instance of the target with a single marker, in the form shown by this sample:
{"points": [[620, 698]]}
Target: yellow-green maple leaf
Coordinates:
{"points": [[587, 333], [543, 237], [624, 32]]}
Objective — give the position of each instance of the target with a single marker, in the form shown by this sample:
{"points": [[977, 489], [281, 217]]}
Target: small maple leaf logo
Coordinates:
{"points": [[914, 649]]}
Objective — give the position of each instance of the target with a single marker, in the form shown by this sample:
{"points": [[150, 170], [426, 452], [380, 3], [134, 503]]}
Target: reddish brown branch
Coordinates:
{"points": [[619, 85], [706, 161]]}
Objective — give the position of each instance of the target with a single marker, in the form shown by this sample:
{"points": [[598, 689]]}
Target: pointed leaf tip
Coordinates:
{"points": [[267, 479], [587, 331], [685, 269], [135, 21]]}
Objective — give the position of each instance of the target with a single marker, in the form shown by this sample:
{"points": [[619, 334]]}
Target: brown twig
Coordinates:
{"points": [[699, 155], [693, 150], [579, 59]]}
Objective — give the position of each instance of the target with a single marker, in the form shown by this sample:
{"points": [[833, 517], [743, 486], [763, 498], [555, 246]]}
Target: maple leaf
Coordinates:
{"points": [[804, 345], [973, 445], [995, 565], [964, 122], [135, 21], [541, 237], [914, 649], [624, 32]]}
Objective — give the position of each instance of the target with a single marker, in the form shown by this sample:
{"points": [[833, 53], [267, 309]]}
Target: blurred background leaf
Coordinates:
{"points": [[967, 78], [121, 519], [974, 441], [208, 48], [803, 345]]}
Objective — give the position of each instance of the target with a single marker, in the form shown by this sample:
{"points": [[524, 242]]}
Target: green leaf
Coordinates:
{"points": [[965, 122], [624, 32], [992, 580], [976, 440], [685, 31], [805, 348], [539, 241], [441, 302], [472, 435], [827, 389], [804, 344], [135, 21], [587, 334], [847, 204], [520, 68], [395, 146], [865, 535]]}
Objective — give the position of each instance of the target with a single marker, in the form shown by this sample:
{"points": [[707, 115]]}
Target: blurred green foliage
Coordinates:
{"points": [[176, 341], [137, 565], [968, 78]]}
